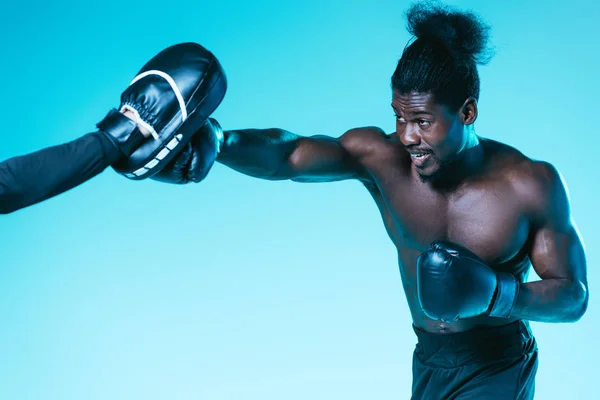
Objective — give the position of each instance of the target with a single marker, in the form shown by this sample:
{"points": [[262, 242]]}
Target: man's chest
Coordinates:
{"points": [[486, 219]]}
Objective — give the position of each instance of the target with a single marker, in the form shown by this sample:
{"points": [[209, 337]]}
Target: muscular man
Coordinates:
{"points": [[170, 99], [468, 215]]}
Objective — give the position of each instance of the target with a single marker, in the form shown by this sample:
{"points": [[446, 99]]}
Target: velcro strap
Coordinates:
{"points": [[122, 131], [506, 294]]}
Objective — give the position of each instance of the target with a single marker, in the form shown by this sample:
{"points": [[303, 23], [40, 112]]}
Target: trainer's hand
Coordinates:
{"points": [[453, 283], [197, 158], [145, 131]]}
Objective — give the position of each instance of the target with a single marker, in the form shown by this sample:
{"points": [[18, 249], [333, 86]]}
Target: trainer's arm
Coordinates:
{"points": [[34, 177], [276, 154], [38, 176], [558, 257]]}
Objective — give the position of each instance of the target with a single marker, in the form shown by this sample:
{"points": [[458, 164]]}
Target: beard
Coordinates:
{"points": [[439, 167], [447, 172]]}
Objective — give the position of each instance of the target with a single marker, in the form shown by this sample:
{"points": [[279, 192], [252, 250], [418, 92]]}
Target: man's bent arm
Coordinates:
{"points": [[562, 293], [558, 257], [35, 177]]}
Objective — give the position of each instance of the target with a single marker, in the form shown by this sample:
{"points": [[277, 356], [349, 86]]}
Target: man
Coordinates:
{"points": [[170, 100], [468, 215]]}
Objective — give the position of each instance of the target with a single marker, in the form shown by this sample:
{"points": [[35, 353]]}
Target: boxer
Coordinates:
{"points": [[469, 216]]}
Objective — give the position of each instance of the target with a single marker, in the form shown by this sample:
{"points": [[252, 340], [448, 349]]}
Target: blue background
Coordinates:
{"points": [[239, 288]]}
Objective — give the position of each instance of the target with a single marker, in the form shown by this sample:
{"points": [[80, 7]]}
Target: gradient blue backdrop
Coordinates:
{"points": [[238, 288]]}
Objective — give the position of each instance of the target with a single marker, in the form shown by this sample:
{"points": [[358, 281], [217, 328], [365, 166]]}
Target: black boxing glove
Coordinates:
{"points": [[453, 283], [171, 97], [197, 158]]}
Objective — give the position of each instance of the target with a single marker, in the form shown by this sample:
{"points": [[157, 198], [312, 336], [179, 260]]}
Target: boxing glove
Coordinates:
{"points": [[453, 283], [197, 158], [171, 97]]}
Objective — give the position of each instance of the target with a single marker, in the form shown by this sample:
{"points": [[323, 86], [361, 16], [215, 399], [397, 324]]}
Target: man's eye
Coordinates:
{"points": [[424, 122], [399, 118]]}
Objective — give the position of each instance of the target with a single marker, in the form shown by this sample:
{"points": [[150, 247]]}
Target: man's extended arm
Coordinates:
{"points": [[276, 154]]}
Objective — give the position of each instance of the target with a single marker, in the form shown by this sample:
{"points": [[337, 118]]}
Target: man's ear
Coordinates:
{"points": [[468, 111]]}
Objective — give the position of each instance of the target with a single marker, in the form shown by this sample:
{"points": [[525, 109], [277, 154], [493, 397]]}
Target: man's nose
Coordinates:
{"points": [[410, 135]]}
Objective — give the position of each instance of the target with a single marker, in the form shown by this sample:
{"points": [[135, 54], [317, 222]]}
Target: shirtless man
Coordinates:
{"points": [[468, 215]]}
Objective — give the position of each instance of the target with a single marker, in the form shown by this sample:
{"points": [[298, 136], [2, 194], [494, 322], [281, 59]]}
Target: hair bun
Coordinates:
{"points": [[462, 33]]}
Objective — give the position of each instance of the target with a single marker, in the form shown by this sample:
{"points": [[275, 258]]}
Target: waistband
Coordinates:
{"points": [[477, 345]]}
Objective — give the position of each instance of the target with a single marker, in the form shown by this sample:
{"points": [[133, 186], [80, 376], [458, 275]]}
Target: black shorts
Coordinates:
{"points": [[485, 363]]}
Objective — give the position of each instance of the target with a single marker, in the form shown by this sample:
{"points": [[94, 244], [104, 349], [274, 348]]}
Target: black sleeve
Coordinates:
{"points": [[35, 177]]}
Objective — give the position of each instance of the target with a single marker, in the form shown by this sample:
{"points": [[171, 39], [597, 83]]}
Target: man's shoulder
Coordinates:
{"points": [[365, 140], [534, 182]]}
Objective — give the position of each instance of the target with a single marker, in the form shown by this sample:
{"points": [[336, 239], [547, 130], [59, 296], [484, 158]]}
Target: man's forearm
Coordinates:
{"points": [[261, 153], [37, 176], [551, 300]]}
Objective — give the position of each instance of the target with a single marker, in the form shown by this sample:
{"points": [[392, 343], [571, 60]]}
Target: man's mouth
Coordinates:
{"points": [[419, 158], [418, 155]]}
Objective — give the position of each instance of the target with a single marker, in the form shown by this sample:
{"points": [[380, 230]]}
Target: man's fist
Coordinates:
{"points": [[453, 283], [197, 158]]}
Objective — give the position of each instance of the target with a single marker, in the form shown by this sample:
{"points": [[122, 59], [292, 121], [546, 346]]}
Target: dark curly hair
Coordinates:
{"points": [[443, 55]]}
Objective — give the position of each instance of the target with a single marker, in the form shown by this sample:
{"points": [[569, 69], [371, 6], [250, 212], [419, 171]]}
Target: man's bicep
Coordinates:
{"points": [[325, 159], [557, 250], [559, 254]]}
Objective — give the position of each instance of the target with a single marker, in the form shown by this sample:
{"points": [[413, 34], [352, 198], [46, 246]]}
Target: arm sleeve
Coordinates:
{"points": [[35, 177]]}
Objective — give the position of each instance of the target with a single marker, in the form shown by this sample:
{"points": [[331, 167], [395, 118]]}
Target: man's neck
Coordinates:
{"points": [[468, 162]]}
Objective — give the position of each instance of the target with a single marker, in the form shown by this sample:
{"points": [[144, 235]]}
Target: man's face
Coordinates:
{"points": [[430, 132]]}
